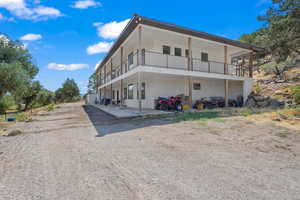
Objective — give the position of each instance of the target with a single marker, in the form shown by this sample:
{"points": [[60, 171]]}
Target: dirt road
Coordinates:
{"points": [[59, 157]]}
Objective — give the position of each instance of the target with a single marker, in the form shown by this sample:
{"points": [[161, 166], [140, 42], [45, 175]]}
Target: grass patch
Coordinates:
{"points": [[193, 116], [219, 120]]}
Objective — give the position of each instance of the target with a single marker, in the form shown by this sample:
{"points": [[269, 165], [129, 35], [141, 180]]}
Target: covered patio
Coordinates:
{"points": [[124, 112]]}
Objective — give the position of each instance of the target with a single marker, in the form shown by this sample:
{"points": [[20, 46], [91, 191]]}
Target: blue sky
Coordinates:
{"points": [[68, 38]]}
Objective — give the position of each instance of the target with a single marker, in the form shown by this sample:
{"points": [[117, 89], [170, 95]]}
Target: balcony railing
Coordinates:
{"points": [[155, 59]]}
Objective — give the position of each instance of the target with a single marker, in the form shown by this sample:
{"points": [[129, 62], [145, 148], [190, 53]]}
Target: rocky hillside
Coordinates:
{"points": [[282, 89]]}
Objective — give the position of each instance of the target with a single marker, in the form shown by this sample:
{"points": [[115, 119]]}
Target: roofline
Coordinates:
{"points": [[136, 20]]}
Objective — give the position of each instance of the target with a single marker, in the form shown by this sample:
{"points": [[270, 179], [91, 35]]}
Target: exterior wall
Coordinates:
{"points": [[164, 86]]}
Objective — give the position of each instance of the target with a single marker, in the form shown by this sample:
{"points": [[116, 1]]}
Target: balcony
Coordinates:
{"points": [[155, 59]]}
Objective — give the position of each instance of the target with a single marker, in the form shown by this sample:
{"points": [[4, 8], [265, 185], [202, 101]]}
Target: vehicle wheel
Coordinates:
{"points": [[157, 107], [163, 107]]}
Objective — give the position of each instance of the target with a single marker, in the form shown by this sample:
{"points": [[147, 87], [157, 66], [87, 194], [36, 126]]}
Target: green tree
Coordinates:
{"points": [[29, 95], [16, 66], [283, 29], [44, 97], [93, 82], [68, 93]]}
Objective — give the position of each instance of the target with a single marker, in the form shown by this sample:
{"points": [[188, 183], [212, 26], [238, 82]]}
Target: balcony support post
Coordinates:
{"points": [[251, 65], [226, 92], [225, 60], [111, 94], [139, 73], [121, 84], [190, 68]]}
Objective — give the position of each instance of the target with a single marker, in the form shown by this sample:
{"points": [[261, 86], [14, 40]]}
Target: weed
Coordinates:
{"points": [[282, 134], [14, 132]]}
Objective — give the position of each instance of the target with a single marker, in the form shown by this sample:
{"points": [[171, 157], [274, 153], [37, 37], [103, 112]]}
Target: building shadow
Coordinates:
{"points": [[106, 124]]}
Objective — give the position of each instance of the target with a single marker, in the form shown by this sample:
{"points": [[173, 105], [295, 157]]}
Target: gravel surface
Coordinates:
{"points": [[59, 157]]}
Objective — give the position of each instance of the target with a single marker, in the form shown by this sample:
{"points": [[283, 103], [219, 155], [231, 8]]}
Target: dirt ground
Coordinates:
{"points": [[59, 157]]}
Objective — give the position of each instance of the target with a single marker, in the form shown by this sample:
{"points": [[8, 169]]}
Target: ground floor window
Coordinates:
{"points": [[197, 86], [113, 94], [143, 91], [130, 91], [125, 93]]}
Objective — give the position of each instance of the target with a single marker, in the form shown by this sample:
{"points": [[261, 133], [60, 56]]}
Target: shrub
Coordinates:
{"points": [[296, 93], [50, 107], [5, 103]]}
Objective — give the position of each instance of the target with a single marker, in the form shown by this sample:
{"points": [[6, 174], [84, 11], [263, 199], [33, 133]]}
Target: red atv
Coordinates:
{"points": [[171, 103]]}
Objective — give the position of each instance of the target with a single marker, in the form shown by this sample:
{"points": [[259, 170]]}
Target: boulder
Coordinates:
{"points": [[274, 103], [250, 102]]}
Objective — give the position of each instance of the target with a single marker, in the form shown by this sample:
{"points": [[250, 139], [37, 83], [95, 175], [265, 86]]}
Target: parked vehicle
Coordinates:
{"points": [[215, 102], [105, 101], [170, 103]]}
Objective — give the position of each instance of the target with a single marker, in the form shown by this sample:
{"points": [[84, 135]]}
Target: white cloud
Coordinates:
{"points": [[98, 63], [47, 11], [1, 17], [112, 30], [20, 9], [31, 37], [97, 24], [84, 4], [70, 67], [101, 47]]}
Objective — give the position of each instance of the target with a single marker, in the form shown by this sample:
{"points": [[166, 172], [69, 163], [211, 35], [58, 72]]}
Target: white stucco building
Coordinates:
{"points": [[155, 59]]}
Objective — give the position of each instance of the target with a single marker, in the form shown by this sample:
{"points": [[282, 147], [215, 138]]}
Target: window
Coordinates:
{"points": [[113, 94], [125, 93], [130, 91], [178, 51], [166, 50], [143, 91], [204, 57], [187, 53], [197, 86], [130, 60]]}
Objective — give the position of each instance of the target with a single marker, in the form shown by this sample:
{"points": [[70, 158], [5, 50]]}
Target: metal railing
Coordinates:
{"points": [[156, 59]]}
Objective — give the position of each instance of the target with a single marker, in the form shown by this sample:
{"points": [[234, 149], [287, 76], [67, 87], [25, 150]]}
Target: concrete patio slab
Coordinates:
{"points": [[123, 112]]}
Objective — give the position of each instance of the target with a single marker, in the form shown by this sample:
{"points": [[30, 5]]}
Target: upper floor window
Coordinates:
{"points": [[178, 51], [204, 57], [166, 50], [130, 60]]}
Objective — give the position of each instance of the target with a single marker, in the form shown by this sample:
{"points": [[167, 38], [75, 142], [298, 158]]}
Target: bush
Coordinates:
{"points": [[50, 107], [5, 103], [296, 93]]}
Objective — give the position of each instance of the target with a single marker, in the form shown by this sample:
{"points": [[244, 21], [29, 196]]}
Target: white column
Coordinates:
{"points": [[139, 73]]}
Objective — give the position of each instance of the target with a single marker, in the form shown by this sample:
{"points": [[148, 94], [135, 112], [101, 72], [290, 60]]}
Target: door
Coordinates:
{"points": [[117, 96]]}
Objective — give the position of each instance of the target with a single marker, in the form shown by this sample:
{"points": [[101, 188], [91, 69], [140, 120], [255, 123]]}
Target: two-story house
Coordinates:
{"points": [[153, 58]]}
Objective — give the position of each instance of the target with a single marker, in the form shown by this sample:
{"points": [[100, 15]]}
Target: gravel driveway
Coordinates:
{"points": [[59, 157]]}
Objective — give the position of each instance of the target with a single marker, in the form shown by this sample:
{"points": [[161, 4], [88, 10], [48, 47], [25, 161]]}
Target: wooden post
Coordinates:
{"points": [[225, 60], [226, 92], [251, 65], [139, 73]]}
